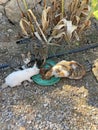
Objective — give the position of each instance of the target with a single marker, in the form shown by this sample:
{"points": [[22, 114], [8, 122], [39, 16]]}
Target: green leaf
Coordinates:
{"points": [[77, 43], [95, 13], [94, 3], [25, 4]]}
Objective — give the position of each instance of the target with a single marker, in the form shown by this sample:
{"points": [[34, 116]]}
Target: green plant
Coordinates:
{"points": [[94, 5]]}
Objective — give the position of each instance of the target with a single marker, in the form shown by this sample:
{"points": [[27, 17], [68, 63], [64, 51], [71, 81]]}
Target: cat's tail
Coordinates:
{"points": [[3, 86]]}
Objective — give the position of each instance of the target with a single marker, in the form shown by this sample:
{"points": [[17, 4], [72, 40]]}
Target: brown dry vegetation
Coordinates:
{"points": [[68, 105]]}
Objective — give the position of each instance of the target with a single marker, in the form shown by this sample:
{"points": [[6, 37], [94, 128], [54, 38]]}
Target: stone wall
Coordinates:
{"points": [[11, 10]]}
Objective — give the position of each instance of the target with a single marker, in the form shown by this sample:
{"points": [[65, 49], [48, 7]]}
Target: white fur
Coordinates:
{"points": [[26, 61], [66, 73], [74, 66], [17, 77]]}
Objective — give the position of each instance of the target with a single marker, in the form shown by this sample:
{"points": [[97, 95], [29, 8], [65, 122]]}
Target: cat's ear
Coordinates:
{"points": [[23, 56], [35, 65], [29, 54]]}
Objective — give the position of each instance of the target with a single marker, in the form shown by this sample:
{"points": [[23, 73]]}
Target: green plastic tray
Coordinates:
{"points": [[37, 78]]}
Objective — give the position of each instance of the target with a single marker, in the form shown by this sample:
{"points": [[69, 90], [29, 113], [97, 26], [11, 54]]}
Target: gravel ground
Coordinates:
{"points": [[68, 105]]}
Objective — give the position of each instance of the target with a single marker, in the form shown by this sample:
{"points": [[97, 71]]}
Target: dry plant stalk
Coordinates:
{"points": [[56, 23], [45, 18], [74, 22], [70, 26]]}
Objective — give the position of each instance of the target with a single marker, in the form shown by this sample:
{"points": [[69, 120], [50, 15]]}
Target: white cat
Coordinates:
{"points": [[17, 77]]}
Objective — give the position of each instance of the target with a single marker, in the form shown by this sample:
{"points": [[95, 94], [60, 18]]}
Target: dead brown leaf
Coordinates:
{"points": [[25, 26], [45, 18]]}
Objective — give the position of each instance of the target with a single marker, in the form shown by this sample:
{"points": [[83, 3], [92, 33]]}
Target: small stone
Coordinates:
{"points": [[29, 122], [10, 30], [45, 104], [22, 128], [39, 116], [3, 1], [12, 10], [0, 15], [1, 9]]}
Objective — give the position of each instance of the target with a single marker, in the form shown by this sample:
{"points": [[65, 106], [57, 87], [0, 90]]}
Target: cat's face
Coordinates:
{"points": [[26, 58], [48, 74]]}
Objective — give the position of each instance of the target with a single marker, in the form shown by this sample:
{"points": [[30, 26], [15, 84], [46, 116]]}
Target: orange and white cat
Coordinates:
{"points": [[69, 69]]}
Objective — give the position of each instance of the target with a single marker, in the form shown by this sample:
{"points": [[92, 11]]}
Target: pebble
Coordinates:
{"points": [[58, 112], [1, 9], [45, 104], [22, 128], [10, 30], [0, 15], [3, 1]]}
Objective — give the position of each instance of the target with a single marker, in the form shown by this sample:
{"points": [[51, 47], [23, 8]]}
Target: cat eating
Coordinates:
{"points": [[68, 69], [17, 77]]}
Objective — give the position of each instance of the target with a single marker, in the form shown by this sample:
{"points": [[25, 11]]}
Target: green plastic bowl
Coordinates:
{"points": [[38, 78]]}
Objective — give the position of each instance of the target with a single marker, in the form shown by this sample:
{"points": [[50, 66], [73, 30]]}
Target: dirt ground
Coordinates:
{"points": [[68, 105]]}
